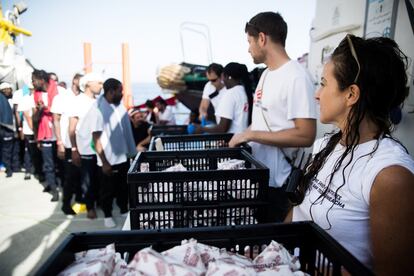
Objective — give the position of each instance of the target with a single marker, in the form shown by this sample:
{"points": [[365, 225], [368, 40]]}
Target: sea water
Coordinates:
{"points": [[148, 91]]}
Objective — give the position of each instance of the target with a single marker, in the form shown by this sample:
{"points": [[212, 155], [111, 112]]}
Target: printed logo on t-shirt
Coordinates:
{"points": [[246, 107], [258, 96], [257, 100], [320, 187]]}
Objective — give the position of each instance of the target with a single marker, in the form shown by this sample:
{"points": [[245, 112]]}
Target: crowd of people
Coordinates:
{"points": [[79, 140], [358, 185]]}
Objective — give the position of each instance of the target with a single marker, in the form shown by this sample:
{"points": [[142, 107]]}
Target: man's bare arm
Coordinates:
{"points": [[301, 135]]}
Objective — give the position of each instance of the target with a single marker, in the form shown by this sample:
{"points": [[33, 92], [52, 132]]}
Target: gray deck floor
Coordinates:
{"points": [[31, 226]]}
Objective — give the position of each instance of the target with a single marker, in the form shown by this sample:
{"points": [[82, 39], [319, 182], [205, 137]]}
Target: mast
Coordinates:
{"points": [[126, 77], [87, 57]]}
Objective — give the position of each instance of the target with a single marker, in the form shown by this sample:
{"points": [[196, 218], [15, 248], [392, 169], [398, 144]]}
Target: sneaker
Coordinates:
{"points": [[109, 222], [91, 214], [41, 178], [47, 189], [55, 196], [27, 176], [67, 210], [124, 215]]}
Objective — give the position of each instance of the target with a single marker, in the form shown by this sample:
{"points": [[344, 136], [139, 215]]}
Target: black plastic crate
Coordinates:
{"points": [[195, 142], [180, 216], [168, 130], [202, 183], [319, 254]]}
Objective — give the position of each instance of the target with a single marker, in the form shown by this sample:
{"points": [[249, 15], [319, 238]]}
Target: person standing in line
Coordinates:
{"points": [[235, 107], [212, 91], [34, 159], [59, 163], [18, 141], [7, 126], [44, 94], [24, 107], [53, 76], [61, 107], [80, 135], [165, 115], [114, 142], [284, 108]]}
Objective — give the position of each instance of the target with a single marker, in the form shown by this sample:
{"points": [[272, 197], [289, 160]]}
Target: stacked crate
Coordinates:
{"points": [[200, 196], [194, 142]]}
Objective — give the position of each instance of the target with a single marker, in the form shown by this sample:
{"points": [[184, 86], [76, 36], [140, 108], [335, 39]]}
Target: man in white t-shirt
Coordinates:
{"points": [[165, 115], [31, 153], [18, 135], [61, 109], [114, 141], [284, 109], [212, 92], [80, 135]]}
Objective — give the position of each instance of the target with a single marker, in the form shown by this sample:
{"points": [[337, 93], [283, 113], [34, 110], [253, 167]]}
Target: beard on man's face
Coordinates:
{"points": [[258, 56], [117, 100], [258, 59]]}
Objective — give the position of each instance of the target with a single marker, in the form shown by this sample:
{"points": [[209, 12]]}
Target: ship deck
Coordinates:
{"points": [[31, 226]]}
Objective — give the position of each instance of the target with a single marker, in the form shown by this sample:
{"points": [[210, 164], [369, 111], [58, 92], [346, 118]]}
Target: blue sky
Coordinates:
{"points": [[152, 29]]}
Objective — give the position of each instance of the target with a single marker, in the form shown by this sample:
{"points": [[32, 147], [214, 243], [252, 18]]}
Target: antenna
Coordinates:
{"points": [[202, 30]]}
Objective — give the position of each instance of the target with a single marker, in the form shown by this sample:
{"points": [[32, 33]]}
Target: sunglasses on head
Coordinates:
{"points": [[353, 52]]}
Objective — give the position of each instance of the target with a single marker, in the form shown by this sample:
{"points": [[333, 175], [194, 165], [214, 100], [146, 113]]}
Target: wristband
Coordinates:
{"points": [[74, 149]]}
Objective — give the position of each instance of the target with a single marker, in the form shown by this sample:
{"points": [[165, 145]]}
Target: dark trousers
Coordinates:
{"points": [[27, 157], [89, 180], [60, 170], [115, 186], [48, 149], [72, 180], [278, 207], [16, 164], [35, 154], [7, 137]]}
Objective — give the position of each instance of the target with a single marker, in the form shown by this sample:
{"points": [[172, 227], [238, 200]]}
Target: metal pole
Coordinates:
{"points": [[126, 79], [87, 57]]}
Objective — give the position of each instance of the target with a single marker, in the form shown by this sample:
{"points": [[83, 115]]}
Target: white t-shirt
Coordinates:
{"points": [[62, 104], [17, 96], [235, 107], [282, 95], [117, 139], [167, 115], [209, 89], [80, 107], [349, 216], [26, 104], [61, 90]]}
